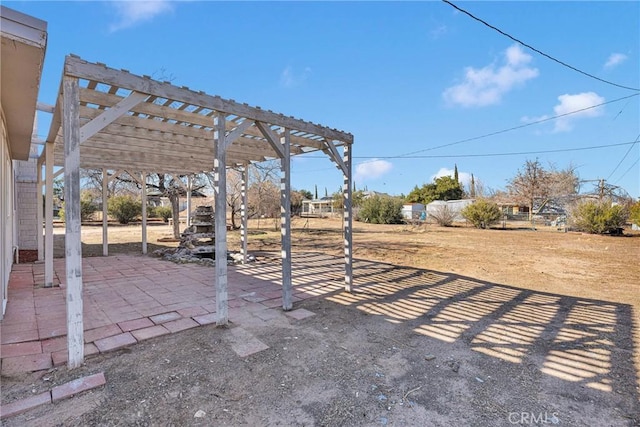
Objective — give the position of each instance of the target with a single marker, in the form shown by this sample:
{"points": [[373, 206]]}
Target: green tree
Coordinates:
{"points": [[442, 188], [455, 173], [87, 207], [164, 212], [634, 213], [306, 194], [124, 208], [381, 210], [598, 217], [482, 213], [472, 187]]}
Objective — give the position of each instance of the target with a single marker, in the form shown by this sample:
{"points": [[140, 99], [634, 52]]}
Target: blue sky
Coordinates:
{"points": [[402, 77]]}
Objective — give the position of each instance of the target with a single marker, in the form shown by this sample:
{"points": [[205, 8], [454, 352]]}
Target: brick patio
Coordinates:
{"points": [[131, 298]]}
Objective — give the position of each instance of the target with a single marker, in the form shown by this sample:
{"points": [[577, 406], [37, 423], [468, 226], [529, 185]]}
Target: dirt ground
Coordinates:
{"points": [[351, 366]]}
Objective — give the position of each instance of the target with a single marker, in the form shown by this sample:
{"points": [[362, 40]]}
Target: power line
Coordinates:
{"points": [[520, 126], [538, 51], [412, 153], [560, 150], [521, 153], [623, 157], [627, 171]]}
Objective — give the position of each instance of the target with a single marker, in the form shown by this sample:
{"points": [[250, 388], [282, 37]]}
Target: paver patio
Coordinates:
{"points": [[130, 298]]}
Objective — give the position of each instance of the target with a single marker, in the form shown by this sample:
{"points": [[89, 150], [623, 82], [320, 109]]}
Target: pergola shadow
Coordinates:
{"points": [[587, 342]]}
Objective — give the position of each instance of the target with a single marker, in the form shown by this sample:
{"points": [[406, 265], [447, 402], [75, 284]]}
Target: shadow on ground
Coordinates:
{"points": [[583, 342]]}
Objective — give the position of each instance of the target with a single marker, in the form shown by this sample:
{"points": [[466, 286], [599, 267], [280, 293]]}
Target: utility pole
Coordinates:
{"points": [[601, 189]]}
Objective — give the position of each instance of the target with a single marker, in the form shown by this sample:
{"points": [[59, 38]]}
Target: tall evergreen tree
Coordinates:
{"points": [[455, 173], [472, 190], [316, 193]]}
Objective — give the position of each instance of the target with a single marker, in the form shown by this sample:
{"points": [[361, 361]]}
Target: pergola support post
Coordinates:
{"points": [[39, 212], [143, 184], [348, 220], [48, 216], [73, 248], [285, 219], [105, 217], [244, 236], [189, 186], [220, 188]]}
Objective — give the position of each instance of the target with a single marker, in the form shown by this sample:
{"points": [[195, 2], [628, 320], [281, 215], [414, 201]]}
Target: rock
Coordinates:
{"points": [[429, 357], [200, 414]]}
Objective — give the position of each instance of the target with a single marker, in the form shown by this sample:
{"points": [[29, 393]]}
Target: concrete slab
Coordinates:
{"points": [[243, 343], [300, 313]]}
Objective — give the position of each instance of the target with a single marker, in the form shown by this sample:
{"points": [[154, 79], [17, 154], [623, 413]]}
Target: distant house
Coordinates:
{"points": [[318, 207], [24, 40], [413, 211]]}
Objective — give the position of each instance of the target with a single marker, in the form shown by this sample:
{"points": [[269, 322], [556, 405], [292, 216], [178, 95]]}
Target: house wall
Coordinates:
{"points": [[6, 212], [26, 214]]}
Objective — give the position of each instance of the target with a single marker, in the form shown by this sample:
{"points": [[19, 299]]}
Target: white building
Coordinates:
{"points": [[454, 206], [24, 40], [413, 211]]}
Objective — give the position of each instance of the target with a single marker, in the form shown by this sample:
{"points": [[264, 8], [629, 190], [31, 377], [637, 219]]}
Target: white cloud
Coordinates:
{"points": [[132, 12], [569, 104], [372, 169], [615, 59], [487, 85], [289, 78], [463, 177]]}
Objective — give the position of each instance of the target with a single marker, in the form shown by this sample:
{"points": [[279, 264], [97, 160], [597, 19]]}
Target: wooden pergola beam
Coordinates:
{"points": [[77, 67]]}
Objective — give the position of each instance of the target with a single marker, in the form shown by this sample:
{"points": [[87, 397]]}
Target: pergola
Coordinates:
{"points": [[114, 120]]}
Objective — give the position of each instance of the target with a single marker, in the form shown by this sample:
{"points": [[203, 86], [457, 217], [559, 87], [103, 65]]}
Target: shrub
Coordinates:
{"points": [[124, 208], [87, 207], [164, 212], [482, 213], [634, 213], [152, 212], [443, 215], [598, 217], [381, 210]]}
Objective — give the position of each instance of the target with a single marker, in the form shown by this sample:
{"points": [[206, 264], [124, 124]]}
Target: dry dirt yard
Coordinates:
{"points": [[565, 351]]}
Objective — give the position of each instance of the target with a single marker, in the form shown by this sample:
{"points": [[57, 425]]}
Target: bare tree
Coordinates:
{"points": [[530, 184], [234, 192], [264, 190]]}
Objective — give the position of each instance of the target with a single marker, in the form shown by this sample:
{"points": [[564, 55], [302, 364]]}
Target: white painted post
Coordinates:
{"points": [[73, 246], [285, 219], [48, 216], [244, 236], [144, 212], [348, 220], [40, 212], [189, 184], [220, 188], [105, 216]]}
